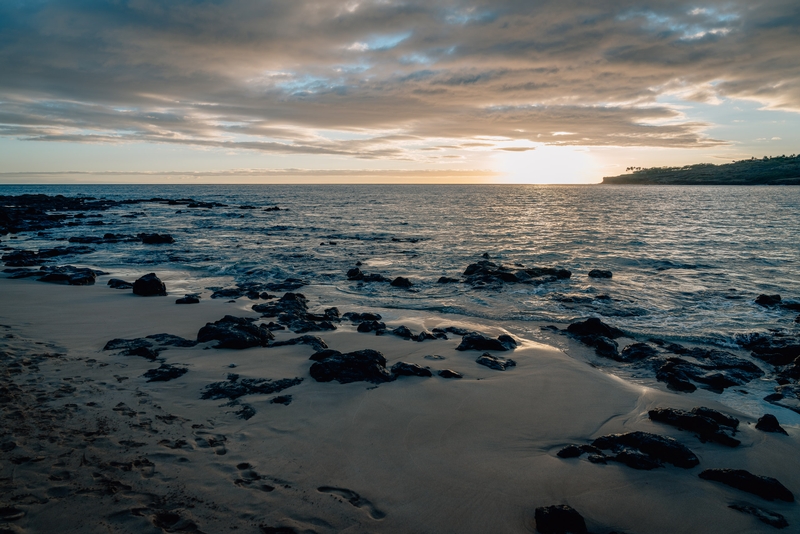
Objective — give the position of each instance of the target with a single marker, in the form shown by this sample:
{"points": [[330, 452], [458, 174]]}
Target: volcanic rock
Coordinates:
{"points": [[559, 519], [495, 362], [769, 423], [477, 341], [660, 448], [410, 369], [363, 365], [235, 333], [149, 285], [706, 428], [765, 487]]}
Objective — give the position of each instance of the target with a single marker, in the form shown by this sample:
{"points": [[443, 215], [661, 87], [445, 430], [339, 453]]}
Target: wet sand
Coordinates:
{"points": [[89, 445]]}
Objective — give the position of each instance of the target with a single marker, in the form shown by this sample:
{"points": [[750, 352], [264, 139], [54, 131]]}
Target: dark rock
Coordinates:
{"points": [[116, 283], [636, 352], [156, 239], [410, 369], [477, 341], [765, 487], [355, 274], [675, 378], [559, 519], [486, 272], [457, 330], [570, 451], [324, 353], [603, 346], [636, 459], [289, 303], [660, 448], [360, 317], [772, 519], [67, 274], [372, 326], [719, 417], [495, 362], [786, 396], [599, 273], [769, 423], [235, 333], [707, 429], [127, 344], [777, 348], [188, 299], [149, 285], [447, 280], [165, 373], [427, 336], [331, 313], [714, 369], [314, 342], [402, 331], [143, 352], [170, 340], [768, 300], [27, 258], [286, 400], [362, 365], [375, 278], [449, 373], [401, 282], [594, 327], [598, 458], [234, 388]]}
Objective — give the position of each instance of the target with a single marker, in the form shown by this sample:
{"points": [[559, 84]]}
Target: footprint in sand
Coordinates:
{"points": [[355, 499], [249, 478]]}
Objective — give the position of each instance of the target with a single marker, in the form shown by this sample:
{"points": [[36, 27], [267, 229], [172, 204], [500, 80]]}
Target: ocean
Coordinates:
{"points": [[687, 262]]}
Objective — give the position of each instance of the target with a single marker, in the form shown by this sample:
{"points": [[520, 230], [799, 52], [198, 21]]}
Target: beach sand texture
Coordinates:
{"points": [[89, 445]]}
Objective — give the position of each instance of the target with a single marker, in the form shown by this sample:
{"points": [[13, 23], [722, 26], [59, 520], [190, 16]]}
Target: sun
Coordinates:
{"points": [[547, 164]]}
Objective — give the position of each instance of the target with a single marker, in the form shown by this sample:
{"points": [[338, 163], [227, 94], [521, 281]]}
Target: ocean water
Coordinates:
{"points": [[687, 262]]}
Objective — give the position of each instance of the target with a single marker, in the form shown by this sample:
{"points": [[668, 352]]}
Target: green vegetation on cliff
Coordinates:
{"points": [[778, 170]]}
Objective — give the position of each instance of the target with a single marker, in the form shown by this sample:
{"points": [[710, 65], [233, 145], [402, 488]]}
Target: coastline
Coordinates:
{"points": [[417, 454]]}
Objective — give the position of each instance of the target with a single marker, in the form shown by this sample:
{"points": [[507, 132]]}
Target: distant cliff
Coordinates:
{"points": [[778, 170]]}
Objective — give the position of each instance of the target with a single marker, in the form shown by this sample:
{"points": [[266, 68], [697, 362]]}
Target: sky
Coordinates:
{"points": [[321, 91]]}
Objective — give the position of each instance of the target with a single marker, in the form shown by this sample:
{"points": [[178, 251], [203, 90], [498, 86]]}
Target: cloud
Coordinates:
{"points": [[387, 79]]}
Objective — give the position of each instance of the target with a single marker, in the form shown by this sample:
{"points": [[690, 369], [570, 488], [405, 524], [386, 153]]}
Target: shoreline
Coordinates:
{"points": [[417, 454]]}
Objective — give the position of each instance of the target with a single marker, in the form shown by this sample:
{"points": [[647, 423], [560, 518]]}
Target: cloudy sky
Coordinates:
{"points": [[382, 90]]}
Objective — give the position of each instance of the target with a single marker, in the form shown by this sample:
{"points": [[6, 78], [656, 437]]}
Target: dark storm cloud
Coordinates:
{"points": [[390, 78]]}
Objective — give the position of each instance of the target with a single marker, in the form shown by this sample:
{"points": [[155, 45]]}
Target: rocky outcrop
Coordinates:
{"points": [[156, 239], [599, 273], [292, 310], [165, 373], [410, 369], [401, 282], [559, 519], [67, 274], [29, 258], [765, 487], [660, 449], [234, 388], [772, 519], [486, 272], [769, 423], [235, 333], [495, 362], [116, 283], [706, 428], [149, 285], [478, 341], [358, 366]]}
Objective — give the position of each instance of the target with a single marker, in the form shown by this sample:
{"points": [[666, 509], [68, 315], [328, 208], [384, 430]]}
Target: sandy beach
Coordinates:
{"points": [[89, 445]]}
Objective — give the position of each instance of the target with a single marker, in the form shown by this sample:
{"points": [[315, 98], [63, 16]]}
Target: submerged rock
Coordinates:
{"points": [[477, 341], [660, 448], [772, 519], [235, 333], [706, 428], [165, 373], [599, 273], [769, 423], [410, 369], [765, 487], [768, 300], [363, 365], [636, 352], [116, 283], [594, 327], [234, 388], [401, 282], [559, 519], [156, 239], [487, 272], [149, 285], [495, 362]]}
